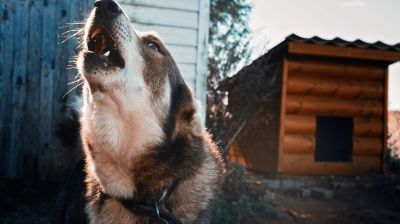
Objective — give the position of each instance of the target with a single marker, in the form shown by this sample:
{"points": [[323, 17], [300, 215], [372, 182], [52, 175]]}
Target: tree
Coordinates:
{"points": [[229, 46]]}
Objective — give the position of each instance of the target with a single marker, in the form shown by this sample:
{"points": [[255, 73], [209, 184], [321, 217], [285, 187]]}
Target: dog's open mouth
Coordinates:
{"points": [[102, 46]]}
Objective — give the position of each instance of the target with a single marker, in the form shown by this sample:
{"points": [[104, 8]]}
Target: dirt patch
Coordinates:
{"points": [[347, 206]]}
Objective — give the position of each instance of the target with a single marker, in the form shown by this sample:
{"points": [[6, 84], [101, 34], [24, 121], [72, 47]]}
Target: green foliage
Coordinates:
{"points": [[229, 36], [229, 46]]}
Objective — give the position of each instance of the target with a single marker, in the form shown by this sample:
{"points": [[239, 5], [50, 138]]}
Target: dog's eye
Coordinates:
{"points": [[153, 46]]}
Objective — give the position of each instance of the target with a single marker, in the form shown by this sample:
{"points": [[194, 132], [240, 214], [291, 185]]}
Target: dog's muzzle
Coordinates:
{"points": [[108, 7], [101, 44]]}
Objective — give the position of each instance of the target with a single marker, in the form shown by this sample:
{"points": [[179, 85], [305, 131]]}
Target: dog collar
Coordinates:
{"points": [[156, 210]]}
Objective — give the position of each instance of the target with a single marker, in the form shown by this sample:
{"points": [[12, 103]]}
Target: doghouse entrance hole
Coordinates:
{"points": [[334, 139]]}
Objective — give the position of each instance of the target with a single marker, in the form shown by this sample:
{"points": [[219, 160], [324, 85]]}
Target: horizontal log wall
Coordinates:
{"points": [[329, 88], [304, 164], [334, 69], [329, 106], [307, 124], [333, 86], [305, 144]]}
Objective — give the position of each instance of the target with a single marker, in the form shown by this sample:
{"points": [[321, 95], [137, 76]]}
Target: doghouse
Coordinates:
{"points": [[311, 106]]}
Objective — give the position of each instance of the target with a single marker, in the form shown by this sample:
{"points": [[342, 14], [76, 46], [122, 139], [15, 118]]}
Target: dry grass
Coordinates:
{"points": [[239, 203]]}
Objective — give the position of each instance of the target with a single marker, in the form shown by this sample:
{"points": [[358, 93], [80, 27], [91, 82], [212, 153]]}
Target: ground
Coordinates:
{"points": [[355, 205], [366, 200], [26, 202], [314, 200]]}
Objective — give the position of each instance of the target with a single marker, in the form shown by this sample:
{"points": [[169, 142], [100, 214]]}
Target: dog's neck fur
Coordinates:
{"points": [[181, 149], [117, 130]]}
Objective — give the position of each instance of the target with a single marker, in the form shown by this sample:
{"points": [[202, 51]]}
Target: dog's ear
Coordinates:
{"points": [[187, 120], [188, 112], [188, 109]]}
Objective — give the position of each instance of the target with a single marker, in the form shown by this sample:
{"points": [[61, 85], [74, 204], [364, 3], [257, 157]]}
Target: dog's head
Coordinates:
{"points": [[126, 66]]}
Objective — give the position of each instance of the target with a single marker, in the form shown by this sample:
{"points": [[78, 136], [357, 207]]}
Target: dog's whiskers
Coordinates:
{"points": [[77, 23], [69, 31], [80, 31], [72, 65], [77, 31], [77, 85], [79, 45], [79, 76], [75, 81]]}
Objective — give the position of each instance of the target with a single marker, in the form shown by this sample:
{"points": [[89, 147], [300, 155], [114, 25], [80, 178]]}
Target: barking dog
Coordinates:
{"points": [[147, 154]]}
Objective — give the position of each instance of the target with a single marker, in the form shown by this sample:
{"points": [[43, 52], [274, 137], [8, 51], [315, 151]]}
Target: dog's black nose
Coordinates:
{"points": [[109, 6]]}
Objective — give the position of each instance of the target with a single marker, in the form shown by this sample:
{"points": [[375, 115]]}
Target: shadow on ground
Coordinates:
{"points": [[247, 197]]}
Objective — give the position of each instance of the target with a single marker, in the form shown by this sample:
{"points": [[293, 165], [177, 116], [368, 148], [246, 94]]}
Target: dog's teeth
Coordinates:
{"points": [[107, 53]]}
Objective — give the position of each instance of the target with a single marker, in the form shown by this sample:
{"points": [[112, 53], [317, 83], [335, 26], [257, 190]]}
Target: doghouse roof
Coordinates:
{"points": [[338, 48], [316, 46], [344, 43]]}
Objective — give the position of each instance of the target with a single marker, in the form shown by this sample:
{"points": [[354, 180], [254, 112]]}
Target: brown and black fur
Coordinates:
{"points": [[181, 153], [179, 157]]}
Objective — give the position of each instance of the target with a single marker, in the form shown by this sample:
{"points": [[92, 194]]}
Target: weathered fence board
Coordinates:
{"points": [[1, 84], [7, 43], [33, 79], [32, 115], [18, 85], [46, 84]]}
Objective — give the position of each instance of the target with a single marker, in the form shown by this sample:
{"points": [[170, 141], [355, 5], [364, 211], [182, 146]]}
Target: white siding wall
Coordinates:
{"points": [[183, 26]]}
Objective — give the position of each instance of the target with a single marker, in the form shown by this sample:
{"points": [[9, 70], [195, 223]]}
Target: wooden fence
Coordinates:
{"points": [[33, 80]]}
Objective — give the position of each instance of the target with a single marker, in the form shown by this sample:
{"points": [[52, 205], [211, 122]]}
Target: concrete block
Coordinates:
{"points": [[269, 196], [305, 193], [292, 184], [321, 193], [310, 183], [273, 184], [343, 184]]}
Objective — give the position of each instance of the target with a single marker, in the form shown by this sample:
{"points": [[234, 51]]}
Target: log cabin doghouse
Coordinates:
{"points": [[311, 106]]}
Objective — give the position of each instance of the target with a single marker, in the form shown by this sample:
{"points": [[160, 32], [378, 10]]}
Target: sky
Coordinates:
{"points": [[368, 20]]}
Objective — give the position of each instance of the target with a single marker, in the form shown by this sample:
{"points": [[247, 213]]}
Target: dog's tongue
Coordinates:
{"points": [[102, 44], [99, 41]]}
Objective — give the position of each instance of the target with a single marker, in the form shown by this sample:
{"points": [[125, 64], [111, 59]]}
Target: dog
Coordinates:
{"points": [[148, 158]]}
